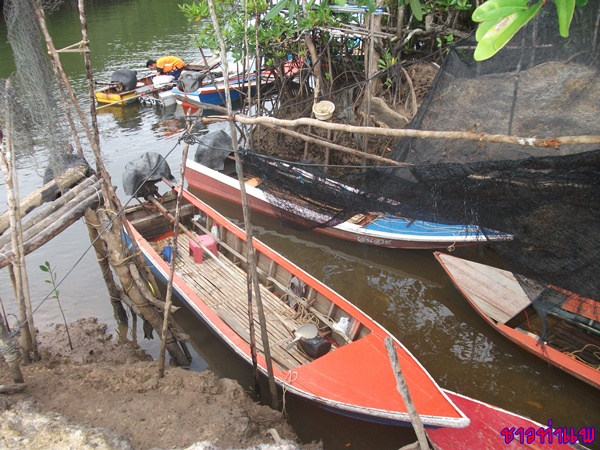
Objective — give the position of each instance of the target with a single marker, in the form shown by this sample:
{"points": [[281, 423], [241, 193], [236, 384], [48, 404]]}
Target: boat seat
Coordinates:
{"points": [[196, 250]]}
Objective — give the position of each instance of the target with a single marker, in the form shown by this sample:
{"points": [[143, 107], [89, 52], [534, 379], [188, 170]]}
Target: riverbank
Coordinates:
{"points": [[105, 395]]}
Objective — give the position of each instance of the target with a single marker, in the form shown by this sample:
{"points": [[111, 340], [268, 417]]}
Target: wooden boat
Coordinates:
{"points": [[113, 95], [344, 369], [503, 299], [382, 230], [213, 92], [493, 428]]}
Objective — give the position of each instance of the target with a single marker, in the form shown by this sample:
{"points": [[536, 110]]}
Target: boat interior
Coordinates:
{"points": [[576, 334], [212, 261]]}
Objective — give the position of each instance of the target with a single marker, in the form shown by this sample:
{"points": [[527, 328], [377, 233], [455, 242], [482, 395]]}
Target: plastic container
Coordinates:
{"points": [[323, 110]]}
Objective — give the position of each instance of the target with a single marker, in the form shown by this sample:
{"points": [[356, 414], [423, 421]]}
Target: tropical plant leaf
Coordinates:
{"points": [[484, 27], [417, 10], [497, 9], [276, 9], [565, 10], [503, 31]]}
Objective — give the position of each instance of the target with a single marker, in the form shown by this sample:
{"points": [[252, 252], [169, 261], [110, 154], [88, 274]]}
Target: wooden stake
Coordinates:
{"points": [[11, 355], [248, 228], [405, 393]]}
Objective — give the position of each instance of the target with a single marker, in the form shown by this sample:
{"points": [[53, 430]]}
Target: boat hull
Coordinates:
{"points": [[501, 287], [390, 232], [355, 379], [493, 428]]}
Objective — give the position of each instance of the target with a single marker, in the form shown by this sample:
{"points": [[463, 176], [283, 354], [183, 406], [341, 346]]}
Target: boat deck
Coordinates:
{"points": [[222, 285]]}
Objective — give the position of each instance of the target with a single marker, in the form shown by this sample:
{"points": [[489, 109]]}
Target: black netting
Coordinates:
{"points": [[540, 86]]}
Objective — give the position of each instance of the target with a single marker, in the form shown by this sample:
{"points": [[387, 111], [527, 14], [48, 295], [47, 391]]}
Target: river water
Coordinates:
{"points": [[406, 291]]}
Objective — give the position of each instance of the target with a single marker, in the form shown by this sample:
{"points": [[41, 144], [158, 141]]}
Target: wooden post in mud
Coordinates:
{"points": [[405, 393], [168, 300], [11, 355], [135, 286], [114, 292], [18, 273], [252, 273]]}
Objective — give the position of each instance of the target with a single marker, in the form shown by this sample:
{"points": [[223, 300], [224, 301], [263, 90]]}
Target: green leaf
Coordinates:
{"points": [[277, 9], [581, 3], [503, 31], [340, 2], [492, 9], [415, 6], [484, 27], [565, 10], [497, 9], [43, 268], [293, 6]]}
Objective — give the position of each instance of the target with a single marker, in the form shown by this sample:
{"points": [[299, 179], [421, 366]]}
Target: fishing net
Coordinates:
{"points": [[539, 86], [32, 111]]}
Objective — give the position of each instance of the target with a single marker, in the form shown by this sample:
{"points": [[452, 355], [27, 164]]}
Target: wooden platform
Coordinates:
{"points": [[222, 285]]}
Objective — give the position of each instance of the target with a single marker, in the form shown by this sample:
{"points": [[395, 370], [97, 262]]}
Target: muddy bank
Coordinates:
{"points": [[106, 395]]}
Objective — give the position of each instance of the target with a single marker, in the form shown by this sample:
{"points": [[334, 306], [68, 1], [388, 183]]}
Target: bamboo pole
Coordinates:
{"points": [[137, 290], [49, 208], [247, 226], [114, 292], [45, 194], [50, 232], [405, 393], [168, 300], [11, 355], [27, 336]]}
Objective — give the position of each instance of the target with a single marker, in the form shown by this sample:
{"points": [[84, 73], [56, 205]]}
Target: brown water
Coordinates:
{"points": [[405, 291]]}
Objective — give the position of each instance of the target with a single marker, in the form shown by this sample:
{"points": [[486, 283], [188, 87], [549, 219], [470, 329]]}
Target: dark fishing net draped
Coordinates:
{"points": [[33, 107], [539, 86]]}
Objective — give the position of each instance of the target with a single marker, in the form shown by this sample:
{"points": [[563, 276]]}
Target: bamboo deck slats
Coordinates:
{"points": [[222, 285]]}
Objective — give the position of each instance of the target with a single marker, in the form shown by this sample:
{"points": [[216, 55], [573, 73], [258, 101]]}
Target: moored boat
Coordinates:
{"points": [[379, 229], [150, 88], [556, 325], [344, 367], [212, 92], [494, 428]]}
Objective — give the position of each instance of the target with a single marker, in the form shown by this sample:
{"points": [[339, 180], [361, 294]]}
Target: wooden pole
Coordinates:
{"points": [[248, 228], [114, 292], [54, 226], [136, 289], [11, 355], [405, 393], [27, 335], [46, 193], [168, 300]]}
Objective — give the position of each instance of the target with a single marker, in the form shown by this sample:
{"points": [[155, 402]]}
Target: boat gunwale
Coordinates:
{"points": [[241, 347]]}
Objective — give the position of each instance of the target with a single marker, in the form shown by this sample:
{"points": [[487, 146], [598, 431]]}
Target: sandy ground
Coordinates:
{"points": [[107, 395]]}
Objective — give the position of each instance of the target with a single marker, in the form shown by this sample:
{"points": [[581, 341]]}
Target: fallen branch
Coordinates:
{"points": [[405, 132]]}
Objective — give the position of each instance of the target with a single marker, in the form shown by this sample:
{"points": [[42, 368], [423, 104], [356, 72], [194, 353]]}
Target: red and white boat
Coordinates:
{"points": [[566, 334], [343, 368], [382, 230], [494, 428]]}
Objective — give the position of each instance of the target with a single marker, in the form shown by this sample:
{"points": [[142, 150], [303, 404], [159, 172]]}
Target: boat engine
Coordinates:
{"points": [[126, 78], [141, 175]]}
